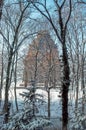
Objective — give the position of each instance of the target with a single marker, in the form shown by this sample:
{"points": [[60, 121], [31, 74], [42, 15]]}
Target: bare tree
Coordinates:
{"points": [[77, 56], [2, 68], [16, 25], [61, 35], [1, 85]]}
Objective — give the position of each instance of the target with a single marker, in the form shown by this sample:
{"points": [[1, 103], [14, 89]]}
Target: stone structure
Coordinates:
{"points": [[41, 62]]}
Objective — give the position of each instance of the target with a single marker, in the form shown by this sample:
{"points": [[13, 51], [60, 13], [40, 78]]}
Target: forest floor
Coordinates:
{"points": [[56, 105]]}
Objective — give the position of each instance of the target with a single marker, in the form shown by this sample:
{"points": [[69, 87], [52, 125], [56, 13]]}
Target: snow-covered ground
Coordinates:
{"points": [[56, 104], [43, 108], [55, 100]]}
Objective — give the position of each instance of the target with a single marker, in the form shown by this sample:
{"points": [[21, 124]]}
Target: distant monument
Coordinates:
{"points": [[41, 60]]}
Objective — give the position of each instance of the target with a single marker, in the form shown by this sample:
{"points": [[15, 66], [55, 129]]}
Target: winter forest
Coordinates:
{"points": [[42, 64]]}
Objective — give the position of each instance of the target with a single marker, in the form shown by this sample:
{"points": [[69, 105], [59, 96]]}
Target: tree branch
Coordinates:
{"points": [[70, 4], [63, 4], [47, 17], [81, 2]]}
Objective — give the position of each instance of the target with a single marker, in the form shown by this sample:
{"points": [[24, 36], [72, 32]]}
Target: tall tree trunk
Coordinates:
{"points": [[83, 85], [5, 108], [65, 87], [1, 5], [15, 80], [49, 103], [25, 78], [77, 91], [2, 68], [77, 79]]}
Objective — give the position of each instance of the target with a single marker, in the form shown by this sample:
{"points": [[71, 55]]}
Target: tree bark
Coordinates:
{"points": [[5, 108], [83, 84], [2, 69], [1, 5], [49, 103], [65, 87], [15, 80]]}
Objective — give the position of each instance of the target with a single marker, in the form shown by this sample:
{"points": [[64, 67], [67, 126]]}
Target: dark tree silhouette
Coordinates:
{"points": [[1, 5], [61, 35]]}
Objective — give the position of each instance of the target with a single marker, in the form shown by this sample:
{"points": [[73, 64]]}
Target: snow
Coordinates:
{"points": [[43, 108], [56, 104], [55, 100]]}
